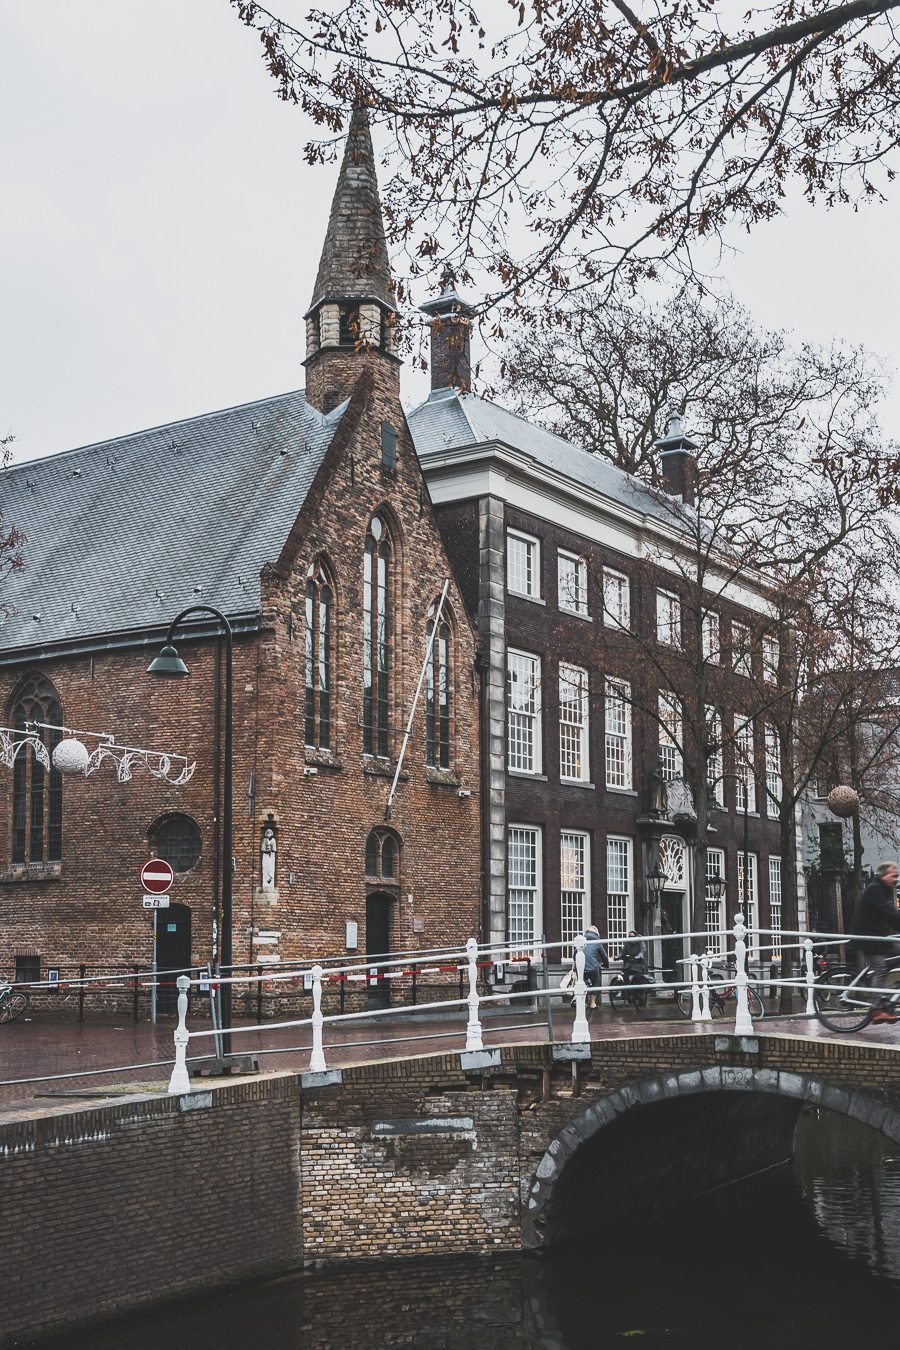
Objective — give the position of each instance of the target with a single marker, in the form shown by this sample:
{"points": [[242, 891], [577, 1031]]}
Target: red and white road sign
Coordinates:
{"points": [[157, 876]]}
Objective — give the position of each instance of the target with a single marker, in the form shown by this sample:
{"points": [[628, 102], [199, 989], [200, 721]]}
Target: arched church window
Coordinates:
{"points": [[383, 856], [177, 839], [377, 637], [36, 792], [319, 656], [437, 694]]}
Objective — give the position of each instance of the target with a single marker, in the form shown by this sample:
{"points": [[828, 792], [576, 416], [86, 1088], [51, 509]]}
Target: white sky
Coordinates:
{"points": [[159, 230]]}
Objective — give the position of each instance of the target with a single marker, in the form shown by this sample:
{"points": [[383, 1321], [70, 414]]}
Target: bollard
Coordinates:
{"points": [[317, 1058], [580, 1029], [696, 1015], [743, 1022], [179, 1082], [473, 1027], [134, 993], [810, 977], [705, 1009]]}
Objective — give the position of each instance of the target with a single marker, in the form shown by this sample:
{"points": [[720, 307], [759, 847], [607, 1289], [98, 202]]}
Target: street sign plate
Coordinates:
{"points": [[157, 876], [156, 902]]}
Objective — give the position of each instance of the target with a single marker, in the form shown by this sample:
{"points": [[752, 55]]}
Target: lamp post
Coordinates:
{"points": [[169, 665]]}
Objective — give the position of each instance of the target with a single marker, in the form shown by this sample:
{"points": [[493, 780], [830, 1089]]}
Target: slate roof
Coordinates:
{"points": [[449, 420], [354, 260], [202, 502]]}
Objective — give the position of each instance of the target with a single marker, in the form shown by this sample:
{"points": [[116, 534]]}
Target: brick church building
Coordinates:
{"points": [[305, 519]]}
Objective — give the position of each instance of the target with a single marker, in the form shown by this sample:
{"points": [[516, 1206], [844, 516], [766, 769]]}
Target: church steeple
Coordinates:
{"points": [[352, 314]]}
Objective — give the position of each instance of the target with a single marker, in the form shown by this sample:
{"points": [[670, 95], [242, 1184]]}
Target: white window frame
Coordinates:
{"points": [[742, 662], [668, 618], [671, 730], [751, 908], [574, 886], [527, 928], [617, 723], [531, 588], [771, 653], [715, 764], [715, 905], [526, 720], [745, 766], [775, 905], [711, 636], [619, 903], [571, 582], [617, 587], [574, 727], [773, 771]]}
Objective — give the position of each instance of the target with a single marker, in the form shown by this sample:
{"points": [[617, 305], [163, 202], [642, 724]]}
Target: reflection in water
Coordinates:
{"points": [[808, 1254]]}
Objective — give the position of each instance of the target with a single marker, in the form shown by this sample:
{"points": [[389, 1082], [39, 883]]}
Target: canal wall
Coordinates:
{"points": [[131, 1202]]}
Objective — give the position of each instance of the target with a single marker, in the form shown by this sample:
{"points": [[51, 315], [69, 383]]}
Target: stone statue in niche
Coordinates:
{"points": [[657, 792], [269, 847]]}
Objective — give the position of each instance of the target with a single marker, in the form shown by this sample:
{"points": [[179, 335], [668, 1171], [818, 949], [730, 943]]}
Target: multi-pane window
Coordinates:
{"points": [[670, 733], [616, 599], [619, 892], [319, 630], [437, 695], [574, 885], [618, 734], [775, 905], [740, 648], [773, 771], [745, 767], [571, 574], [382, 857], [36, 792], [715, 905], [715, 768], [523, 880], [388, 446], [177, 838], [668, 619], [573, 722], [748, 896], [771, 654], [376, 638], [712, 647], [523, 564], [523, 712]]}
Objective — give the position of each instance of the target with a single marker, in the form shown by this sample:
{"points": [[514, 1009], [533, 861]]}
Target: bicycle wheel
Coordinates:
{"points": [[755, 1004], [617, 993], [845, 1011], [683, 1000], [13, 1007]]}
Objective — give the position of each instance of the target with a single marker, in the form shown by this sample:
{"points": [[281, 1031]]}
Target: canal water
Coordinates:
{"points": [[807, 1254]]}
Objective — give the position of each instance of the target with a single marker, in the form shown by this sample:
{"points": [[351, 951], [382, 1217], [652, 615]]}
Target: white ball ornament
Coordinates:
{"points": [[71, 756], [843, 801]]}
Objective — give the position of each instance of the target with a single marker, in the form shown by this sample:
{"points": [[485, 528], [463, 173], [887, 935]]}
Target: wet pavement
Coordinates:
{"points": [[62, 1062]]}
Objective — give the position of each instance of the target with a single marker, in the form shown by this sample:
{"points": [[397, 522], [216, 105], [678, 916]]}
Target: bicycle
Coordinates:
{"points": [[851, 1008], [13, 1003], [719, 995], [621, 991]]}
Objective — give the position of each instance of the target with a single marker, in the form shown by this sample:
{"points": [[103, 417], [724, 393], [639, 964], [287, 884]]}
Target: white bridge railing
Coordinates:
{"points": [[702, 979]]}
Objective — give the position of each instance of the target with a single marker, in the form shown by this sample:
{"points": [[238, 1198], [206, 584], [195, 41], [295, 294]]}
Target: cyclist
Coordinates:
{"points": [[595, 958], [877, 915]]}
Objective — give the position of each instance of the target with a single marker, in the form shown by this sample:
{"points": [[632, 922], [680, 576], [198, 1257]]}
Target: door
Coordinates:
{"points": [[672, 949], [378, 946], [173, 953]]}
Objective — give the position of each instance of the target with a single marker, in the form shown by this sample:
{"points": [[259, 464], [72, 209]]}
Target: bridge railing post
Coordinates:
{"points": [[580, 1030], [473, 1026], [705, 1010], [180, 1082], [743, 1022], [810, 977], [317, 1056], [696, 1012]]}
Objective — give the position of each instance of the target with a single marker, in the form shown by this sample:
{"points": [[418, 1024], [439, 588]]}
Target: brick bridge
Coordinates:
{"points": [[493, 1151]]}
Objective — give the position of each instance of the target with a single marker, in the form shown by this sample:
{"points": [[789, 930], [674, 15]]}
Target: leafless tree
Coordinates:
{"points": [[11, 539]]}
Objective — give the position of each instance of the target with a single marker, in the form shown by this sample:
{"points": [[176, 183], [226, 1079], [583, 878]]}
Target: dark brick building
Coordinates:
{"points": [[306, 520]]}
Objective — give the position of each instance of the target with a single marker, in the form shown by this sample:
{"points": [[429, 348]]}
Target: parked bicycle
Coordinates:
{"points": [[721, 994], [851, 1006], [13, 1002]]}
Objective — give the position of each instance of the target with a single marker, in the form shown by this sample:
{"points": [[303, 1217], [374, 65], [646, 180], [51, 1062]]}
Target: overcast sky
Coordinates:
{"points": [[159, 230]]}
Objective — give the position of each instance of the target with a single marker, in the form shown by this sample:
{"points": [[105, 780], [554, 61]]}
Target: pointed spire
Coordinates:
{"points": [[354, 263]]}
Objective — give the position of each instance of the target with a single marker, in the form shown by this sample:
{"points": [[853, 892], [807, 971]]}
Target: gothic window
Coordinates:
{"points": [[319, 657], [377, 636], [36, 792], [383, 857], [177, 839], [437, 695]]}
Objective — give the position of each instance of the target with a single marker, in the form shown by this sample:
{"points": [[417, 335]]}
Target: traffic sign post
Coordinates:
{"points": [[157, 876]]}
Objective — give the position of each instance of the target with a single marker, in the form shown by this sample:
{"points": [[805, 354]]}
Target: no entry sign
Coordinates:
{"points": [[157, 876]]}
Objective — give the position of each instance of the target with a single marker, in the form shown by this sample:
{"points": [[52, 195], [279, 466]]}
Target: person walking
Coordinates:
{"points": [[595, 961], [876, 916]]}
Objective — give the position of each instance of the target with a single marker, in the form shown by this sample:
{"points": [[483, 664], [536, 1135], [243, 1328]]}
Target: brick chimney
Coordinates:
{"points": [[678, 460], [451, 329]]}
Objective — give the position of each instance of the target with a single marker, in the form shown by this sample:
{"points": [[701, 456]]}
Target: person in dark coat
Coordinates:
{"points": [[595, 960], [877, 915]]}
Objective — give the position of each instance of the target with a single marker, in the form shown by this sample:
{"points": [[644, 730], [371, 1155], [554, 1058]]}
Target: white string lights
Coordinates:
{"points": [[71, 755]]}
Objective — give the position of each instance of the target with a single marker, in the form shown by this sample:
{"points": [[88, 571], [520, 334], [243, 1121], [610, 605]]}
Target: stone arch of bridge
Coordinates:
{"points": [[801, 1089]]}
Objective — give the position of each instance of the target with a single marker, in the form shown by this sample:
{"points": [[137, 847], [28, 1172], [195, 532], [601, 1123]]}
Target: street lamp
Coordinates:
{"points": [[715, 886], [169, 665], [656, 880]]}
